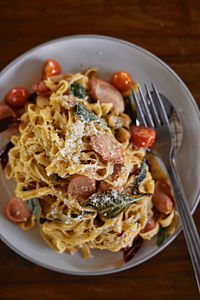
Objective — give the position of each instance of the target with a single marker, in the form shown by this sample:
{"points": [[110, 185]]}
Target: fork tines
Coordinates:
{"points": [[150, 110]]}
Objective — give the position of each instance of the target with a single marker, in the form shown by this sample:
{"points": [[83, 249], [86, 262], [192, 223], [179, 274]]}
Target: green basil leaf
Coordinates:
{"points": [[111, 204], [142, 173], [136, 192], [77, 90], [84, 114], [162, 236], [34, 205], [129, 108]]}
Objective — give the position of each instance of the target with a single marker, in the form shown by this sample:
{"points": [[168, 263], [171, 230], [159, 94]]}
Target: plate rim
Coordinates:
{"points": [[193, 102]]}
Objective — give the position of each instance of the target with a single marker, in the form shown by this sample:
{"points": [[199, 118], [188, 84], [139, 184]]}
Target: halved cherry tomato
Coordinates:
{"points": [[40, 88], [17, 97], [51, 67], [122, 81], [17, 210], [143, 136]]}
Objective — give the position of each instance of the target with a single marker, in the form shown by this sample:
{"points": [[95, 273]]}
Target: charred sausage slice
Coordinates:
{"points": [[106, 93], [162, 197], [105, 186], [7, 111], [17, 210], [108, 148], [81, 187]]}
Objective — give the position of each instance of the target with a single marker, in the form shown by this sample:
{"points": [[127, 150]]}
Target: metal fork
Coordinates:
{"points": [[152, 113]]}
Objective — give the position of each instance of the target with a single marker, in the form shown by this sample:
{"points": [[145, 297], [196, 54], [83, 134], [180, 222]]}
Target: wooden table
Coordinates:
{"points": [[169, 29]]}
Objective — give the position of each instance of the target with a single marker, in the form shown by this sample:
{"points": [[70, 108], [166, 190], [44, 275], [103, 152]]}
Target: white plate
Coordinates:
{"points": [[108, 54]]}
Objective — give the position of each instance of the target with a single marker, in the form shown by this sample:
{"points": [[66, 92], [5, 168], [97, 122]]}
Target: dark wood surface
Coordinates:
{"points": [[169, 29]]}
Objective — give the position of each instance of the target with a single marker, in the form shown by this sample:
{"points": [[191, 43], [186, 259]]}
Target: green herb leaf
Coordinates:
{"points": [[77, 90], [84, 114], [34, 205], [142, 173], [162, 236], [111, 204], [129, 108], [135, 192]]}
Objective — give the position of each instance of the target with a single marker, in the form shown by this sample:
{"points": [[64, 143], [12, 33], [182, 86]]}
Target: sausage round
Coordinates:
{"points": [[105, 186], [108, 148], [81, 187], [162, 197], [17, 210], [106, 93], [7, 111]]}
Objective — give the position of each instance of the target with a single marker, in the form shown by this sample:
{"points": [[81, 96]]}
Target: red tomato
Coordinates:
{"points": [[17, 210], [17, 97], [122, 81], [51, 67], [41, 88], [143, 136]]}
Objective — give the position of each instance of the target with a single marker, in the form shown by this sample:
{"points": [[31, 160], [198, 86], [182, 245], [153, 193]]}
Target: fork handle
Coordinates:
{"points": [[188, 225]]}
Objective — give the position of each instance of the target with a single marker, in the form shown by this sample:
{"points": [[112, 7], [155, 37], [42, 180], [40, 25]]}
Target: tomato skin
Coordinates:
{"points": [[143, 136], [17, 210], [17, 97], [51, 68], [122, 81], [40, 88]]}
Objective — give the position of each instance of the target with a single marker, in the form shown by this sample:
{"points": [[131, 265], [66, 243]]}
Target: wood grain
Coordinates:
{"points": [[169, 29]]}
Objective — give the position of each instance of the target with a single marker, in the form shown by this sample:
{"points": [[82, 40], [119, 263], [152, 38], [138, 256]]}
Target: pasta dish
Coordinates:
{"points": [[83, 177]]}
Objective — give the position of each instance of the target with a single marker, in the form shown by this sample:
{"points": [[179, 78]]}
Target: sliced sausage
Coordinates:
{"points": [[17, 210], [117, 171], [106, 93], [40, 88], [7, 111], [151, 224], [105, 186], [81, 187], [162, 197], [108, 148]]}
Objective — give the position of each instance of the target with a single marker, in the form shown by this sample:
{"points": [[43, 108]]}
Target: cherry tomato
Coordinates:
{"points": [[122, 81], [17, 210], [40, 88], [17, 97], [51, 67], [143, 136]]}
